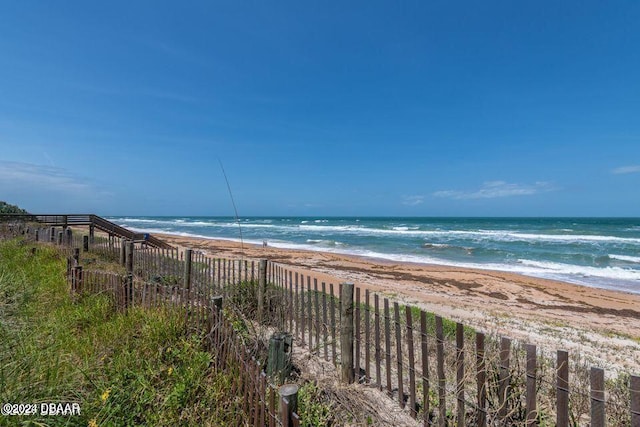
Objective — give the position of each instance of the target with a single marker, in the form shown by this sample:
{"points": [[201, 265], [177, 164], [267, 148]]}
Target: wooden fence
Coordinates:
{"points": [[444, 372], [263, 402], [440, 371]]}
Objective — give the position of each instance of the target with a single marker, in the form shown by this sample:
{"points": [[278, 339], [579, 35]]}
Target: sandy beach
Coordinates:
{"points": [[602, 325]]}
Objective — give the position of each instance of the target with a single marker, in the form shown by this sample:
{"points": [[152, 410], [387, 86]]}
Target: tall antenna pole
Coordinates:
{"points": [[234, 206]]}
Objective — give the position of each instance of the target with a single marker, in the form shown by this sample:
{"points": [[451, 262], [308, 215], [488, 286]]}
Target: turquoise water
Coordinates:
{"points": [[601, 252]]}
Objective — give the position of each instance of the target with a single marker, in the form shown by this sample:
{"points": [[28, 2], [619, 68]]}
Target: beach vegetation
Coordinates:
{"points": [[124, 368], [143, 367], [314, 407], [621, 335], [6, 208], [449, 327], [103, 263]]}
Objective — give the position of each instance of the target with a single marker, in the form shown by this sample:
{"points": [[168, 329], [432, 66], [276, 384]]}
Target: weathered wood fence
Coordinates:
{"points": [[442, 372], [264, 403]]}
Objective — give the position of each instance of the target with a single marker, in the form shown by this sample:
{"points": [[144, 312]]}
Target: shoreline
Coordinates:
{"points": [[589, 280], [600, 253], [602, 324]]}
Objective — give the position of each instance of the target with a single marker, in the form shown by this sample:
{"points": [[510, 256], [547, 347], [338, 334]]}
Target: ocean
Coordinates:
{"points": [[599, 252]]}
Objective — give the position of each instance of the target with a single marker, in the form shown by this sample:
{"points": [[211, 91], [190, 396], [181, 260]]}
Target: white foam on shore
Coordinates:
{"points": [[584, 271], [183, 223], [325, 242], [632, 259], [498, 235], [614, 278], [400, 230], [198, 236], [618, 279]]}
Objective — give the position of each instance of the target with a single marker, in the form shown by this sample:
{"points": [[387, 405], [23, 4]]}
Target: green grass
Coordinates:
{"points": [[313, 409], [133, 368]]}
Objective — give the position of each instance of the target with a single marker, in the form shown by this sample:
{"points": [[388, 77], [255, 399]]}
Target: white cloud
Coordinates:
{"points": [[413, 200], [40, 188], [27, 175], [626, 169], [494, 189]]}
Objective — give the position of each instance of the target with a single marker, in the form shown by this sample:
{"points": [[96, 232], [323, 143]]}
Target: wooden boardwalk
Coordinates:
{"points": [[93, 222]]}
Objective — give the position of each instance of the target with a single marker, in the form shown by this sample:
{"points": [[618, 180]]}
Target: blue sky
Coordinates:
{"points": [[417, 108]]}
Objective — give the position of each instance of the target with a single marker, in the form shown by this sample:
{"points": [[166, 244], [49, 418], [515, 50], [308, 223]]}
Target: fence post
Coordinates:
{"points": [[60, 238], [411, 370], [73, 280], [216, 318], [91, 232], [442, 407], [597, 397], [387, 344], [288, 403], [357, 337], [76, 255], [460, 373], [37, 235], [346, 333], [129, 264], [634, 391], [396, 318], [129, 256], [187, 268], [52, 234], [123, 251], [262, 286], [85, 243], [76, 279], [367, 337], [504, 380], [80, 280], [532, 412], [481, 376], [562, 388], [69, 236], [279, 359], [425, 366]]}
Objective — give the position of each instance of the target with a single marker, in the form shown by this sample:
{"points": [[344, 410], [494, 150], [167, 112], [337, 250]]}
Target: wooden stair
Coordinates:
{"points": [[91, 220]]}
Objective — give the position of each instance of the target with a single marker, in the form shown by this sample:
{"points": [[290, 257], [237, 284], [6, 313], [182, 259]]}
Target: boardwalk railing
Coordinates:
{"points": [[92, 221]]}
